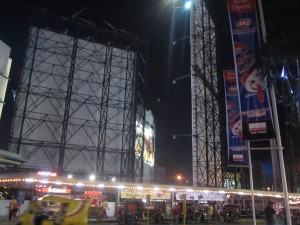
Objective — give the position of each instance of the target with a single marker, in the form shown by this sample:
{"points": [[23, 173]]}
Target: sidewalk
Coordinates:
{"points": [[4, 221]]}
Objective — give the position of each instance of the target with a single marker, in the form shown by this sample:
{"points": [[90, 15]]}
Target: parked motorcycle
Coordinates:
{"points": [[157, 217], [226, 216], [125, 218], [190, 217]]}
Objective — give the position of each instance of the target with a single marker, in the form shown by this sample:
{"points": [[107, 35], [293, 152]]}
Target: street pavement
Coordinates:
{"points": [[243, 221]]}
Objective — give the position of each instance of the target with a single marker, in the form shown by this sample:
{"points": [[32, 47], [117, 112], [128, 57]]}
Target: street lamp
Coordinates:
{"points": [[179, 178], [182, 77], [186, 7], [183, 135]]}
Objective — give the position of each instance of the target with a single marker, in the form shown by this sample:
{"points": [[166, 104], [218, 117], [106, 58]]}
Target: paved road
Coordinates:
{"points": [[4, 221]]}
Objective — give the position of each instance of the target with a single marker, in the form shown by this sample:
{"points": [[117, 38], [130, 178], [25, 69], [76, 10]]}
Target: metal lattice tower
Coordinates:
{"points": [[81, 91], [205, 103]]}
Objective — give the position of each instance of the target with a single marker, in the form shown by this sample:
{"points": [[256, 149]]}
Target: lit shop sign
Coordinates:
{"points": [[48, 174], [142, 194], [55, 190], [204, 196]]}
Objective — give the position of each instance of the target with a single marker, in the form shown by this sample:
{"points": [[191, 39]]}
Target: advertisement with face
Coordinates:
{"points": [[256, 115]]}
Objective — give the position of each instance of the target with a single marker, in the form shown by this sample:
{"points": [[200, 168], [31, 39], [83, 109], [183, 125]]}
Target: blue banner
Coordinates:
{"points": [[252, 85], [237, 152]]}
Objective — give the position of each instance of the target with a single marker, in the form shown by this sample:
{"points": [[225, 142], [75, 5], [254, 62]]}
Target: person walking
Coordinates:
{"points": [[270, 213], [12, 208]]}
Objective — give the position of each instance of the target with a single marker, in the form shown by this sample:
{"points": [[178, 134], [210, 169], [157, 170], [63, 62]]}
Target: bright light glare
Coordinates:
{"points": [[282, 73], [79, 184], [70, 176], [172, 189], [156, 188], [188, 5], [30, 180], [139, 188], [101, 185], [44, 181], [92, 177]]}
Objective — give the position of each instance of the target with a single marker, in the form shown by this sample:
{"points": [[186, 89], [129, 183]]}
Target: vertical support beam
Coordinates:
{"points": [[101, 148], [28, 88], [64, 134]]}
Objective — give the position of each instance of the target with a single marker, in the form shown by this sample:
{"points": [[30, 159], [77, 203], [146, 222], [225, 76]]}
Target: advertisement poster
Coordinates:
{"points": [[252, 85], [237, 152], [148, 145]]}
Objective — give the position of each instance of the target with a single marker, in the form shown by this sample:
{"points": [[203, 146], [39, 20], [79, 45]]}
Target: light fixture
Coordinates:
{"points": [[188, 5], [92, 177]]}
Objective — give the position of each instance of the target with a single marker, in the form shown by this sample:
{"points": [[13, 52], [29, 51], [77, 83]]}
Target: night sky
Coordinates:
{"points": [[151, 20]]}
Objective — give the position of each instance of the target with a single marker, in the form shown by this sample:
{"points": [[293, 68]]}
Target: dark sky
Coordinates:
{"points": [[150, 20]]}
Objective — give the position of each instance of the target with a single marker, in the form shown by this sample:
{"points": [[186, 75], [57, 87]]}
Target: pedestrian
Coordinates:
{"points": [[132, 211], [104, 208], [210, 211], [12, 208], [283, 216], [270, 213]]}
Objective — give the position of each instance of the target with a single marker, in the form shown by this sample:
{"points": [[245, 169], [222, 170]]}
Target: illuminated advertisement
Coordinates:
{"points": [[202, 196], [148, 143], [142, 194]]}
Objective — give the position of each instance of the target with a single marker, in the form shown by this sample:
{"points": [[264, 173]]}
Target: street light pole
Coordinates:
{"points": [[277, 130]]}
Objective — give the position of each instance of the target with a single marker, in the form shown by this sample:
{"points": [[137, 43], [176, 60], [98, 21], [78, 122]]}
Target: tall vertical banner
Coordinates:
{"points": [[253, 96], [237, 152]]}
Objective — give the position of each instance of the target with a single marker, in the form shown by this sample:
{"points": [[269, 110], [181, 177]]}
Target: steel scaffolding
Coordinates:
{"points": [[81, 91], [207, 160]]}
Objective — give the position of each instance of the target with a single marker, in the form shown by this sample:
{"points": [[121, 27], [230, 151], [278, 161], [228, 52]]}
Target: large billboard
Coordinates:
{"points": [[79, 107], [252, 85]]}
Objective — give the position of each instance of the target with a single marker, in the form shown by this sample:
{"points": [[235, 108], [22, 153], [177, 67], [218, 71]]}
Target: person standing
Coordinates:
{"points": [[105, 207], [132, 211], [270, 213], [210, 211], [13, 208]]}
